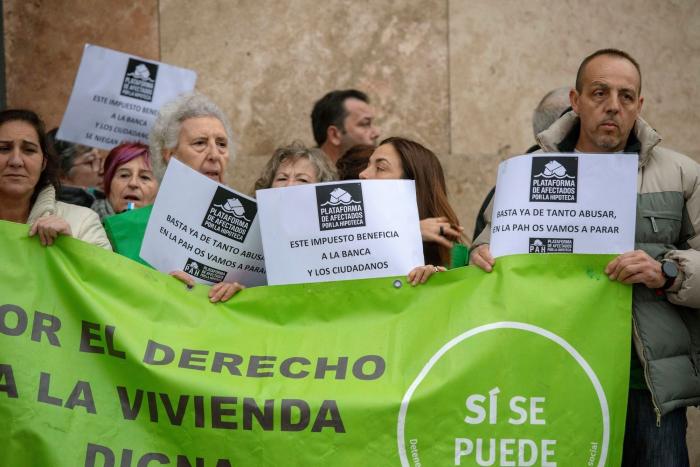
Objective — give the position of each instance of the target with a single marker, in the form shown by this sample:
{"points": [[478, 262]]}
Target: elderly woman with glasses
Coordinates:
{"points": [[80, 171]]}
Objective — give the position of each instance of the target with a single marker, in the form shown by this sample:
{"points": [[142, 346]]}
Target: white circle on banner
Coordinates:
{"points": [[605, 411]]}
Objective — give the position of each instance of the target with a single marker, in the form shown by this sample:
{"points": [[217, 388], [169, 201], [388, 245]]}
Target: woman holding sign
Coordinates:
{"points": [[400, 158], [28, 183], [195, 131]]}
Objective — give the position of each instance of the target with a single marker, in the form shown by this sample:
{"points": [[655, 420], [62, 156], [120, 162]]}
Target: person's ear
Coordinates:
{"points": [[167, 154], [573, 98], [334, 135]]}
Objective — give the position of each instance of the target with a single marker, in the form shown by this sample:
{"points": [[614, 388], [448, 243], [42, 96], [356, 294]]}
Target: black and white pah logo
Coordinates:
{"points": [[551, 245], [554, 179], [204, 272], [340, 206], [139, 80], [230, 215]]}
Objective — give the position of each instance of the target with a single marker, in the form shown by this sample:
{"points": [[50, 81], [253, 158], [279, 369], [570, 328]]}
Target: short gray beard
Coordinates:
{"points": [[607, 143]]}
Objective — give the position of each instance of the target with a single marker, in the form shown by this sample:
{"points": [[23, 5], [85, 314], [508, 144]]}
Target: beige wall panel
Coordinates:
{"points": [[267, 62], [44, 43], [693, 436], [469, 178], [506, 54], [245, 170]]}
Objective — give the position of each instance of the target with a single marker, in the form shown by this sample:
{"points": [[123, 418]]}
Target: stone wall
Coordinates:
{"points": [[44, 42]]}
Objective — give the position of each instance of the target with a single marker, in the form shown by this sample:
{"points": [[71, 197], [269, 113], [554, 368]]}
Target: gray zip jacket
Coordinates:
{"points": [[666, 328]]}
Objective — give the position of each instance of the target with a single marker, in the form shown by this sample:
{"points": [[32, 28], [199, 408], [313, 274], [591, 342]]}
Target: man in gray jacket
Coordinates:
{"points": [[665, 267]]}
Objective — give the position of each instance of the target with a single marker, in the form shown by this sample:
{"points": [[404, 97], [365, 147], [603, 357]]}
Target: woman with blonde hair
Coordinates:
{"points": [[295, 164]]}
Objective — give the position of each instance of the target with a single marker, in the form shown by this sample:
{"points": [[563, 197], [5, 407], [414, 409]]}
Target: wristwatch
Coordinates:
{"points": [[669, 269]]}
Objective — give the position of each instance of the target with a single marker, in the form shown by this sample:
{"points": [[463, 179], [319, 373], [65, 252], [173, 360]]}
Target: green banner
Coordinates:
{"points": [[104, 362]]}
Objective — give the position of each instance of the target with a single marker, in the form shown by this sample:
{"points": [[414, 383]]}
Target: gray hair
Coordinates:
{"points": [[550, 108], [166, 129], [294, 151]]}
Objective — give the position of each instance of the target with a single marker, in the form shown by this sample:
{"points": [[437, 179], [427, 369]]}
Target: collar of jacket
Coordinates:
{"points": [[45, 204], [75, 195], [563, 135]]}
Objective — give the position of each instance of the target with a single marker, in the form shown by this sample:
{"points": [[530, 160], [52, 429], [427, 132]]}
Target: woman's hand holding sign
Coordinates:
{"points": [[220, 292], [420, 274], [440, 231]]}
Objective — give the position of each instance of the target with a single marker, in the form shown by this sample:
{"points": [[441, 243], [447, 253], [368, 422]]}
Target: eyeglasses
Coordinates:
{"points": [[95, 163]]}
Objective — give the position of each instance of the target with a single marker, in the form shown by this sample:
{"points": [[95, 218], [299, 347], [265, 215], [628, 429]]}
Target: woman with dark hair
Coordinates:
{"points": [[353, 161], [397, 158], [28, 183], [129, 182]]}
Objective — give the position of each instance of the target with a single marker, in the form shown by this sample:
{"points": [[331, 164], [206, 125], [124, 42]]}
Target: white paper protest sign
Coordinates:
{"points": [[340, 230], [205, 229], [565, 203], [116, 97]]}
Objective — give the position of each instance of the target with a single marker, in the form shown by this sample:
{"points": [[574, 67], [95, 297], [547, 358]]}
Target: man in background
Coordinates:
{"points": [[341, 120]]}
